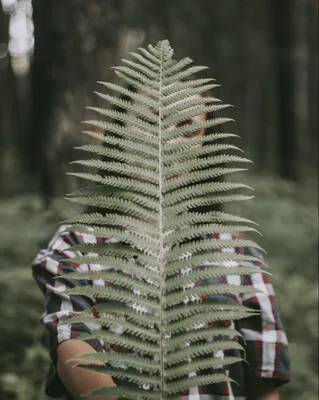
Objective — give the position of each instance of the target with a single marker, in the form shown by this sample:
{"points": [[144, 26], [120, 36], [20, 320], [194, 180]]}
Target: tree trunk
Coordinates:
{"points": [[312, 89], [4, 100], [280, 13], [76, 43]]}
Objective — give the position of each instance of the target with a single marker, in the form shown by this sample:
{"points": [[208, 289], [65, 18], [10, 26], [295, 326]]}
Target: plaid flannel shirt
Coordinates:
{"points": [[264, 337]]}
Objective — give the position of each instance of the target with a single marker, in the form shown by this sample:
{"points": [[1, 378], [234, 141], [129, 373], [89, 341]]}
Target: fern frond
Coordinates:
{"points": [[214, 216], [113, 294], [195, 176], [192, 112], [132, 74], [130, 171], [136, 315], [119, 156], [135, 109], [201, 380], [127, 268], [194, 141], [116, 204], [178, 66], [128, 119], [202, 319], [196, 152], [134, 377], [181, 74], [188, 104], [211, 243], [144, 90], [143, 347], [149, 72], [127, 145], [186, 205], [111, 220], [210, 258], [150, 57], [187, 338], [195, 366], [136, 239], [203, 189], [184, 90], [137, 96], [205, 229], [94, 190], [147, 333], [127, 184], [116, 250], [147, 240], [195, 294], [198, 350], [180, 282], [124, 281], [131, 361], [189, 310], [116, 195]]}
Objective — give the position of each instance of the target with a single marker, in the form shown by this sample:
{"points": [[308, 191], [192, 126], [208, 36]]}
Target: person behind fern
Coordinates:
{"points": [[264, 337]]}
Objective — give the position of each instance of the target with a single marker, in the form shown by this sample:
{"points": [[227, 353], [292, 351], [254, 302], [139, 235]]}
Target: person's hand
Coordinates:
{"points": [[78, 380]]}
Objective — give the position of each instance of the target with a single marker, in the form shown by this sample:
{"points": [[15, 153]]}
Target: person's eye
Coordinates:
{"points": [[185, 123]]}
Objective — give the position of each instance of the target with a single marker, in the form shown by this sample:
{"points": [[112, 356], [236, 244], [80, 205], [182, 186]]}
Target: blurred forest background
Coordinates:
{"points": [[265, 55]]}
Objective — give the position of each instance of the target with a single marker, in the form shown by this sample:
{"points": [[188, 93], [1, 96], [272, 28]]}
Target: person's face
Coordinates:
{"points": [[198, 118]]}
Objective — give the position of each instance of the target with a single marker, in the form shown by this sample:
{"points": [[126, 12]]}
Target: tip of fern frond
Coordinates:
{"points": [[80, 357], [266, 272], [86, 122], [66, 221], [261, 249]]}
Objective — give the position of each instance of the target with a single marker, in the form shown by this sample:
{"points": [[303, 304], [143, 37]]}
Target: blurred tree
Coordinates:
{"points": [[280, 14], [312, 73], [76, 43], [4, 66]]}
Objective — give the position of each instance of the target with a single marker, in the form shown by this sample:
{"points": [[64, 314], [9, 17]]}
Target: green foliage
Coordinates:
{"points": [[292, 255], [147, 192], [24, 227]]}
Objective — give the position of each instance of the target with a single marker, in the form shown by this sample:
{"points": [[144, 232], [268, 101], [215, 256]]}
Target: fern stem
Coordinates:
{"points": [[161, 233]]}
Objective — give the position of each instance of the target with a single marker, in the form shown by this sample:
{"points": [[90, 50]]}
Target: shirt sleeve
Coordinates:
{"points": [[59, 307], [266, 340]]}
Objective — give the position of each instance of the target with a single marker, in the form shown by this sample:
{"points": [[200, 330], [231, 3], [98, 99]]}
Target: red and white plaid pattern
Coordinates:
{"points": [[265, 341]]}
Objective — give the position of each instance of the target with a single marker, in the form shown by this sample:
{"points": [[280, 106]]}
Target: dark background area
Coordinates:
{"points": [[264, 53]]}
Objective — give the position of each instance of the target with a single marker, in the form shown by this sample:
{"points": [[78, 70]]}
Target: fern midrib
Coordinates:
{"points": [[161, 233]]}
